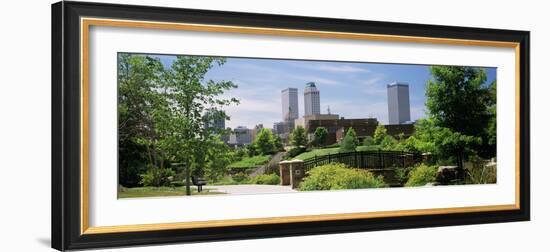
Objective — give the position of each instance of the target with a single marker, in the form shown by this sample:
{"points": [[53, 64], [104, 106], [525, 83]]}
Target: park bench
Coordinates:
{"points": [[199, 182]]}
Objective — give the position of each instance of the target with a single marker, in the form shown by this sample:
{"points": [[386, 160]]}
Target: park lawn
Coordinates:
{"points": [[250, 162], [317, 152], [368, 148], [325, 151], [149, 191]]}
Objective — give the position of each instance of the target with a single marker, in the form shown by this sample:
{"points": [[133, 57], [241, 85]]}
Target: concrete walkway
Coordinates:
{"points": [[250, 189]]}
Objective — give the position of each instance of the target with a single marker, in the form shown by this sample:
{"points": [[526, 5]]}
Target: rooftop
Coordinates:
{"points": [[310, 84], [394, 84]]}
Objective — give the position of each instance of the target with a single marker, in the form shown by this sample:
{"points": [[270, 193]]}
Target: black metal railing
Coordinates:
{"points": [[367, 159]]}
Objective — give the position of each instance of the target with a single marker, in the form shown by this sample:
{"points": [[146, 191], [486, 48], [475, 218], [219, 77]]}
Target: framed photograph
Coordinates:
{"points": [[179, 125]]}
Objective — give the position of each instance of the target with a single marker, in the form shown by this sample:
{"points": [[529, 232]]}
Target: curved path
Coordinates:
{"points": [[273, 162], [250, 189]]}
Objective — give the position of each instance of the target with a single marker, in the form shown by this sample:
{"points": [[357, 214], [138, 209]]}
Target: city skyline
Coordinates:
{"points": [[312, 103], [352, 90], [399, 109], [290, 105]]}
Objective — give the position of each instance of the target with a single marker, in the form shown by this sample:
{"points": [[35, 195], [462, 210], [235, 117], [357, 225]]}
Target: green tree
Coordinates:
{"points": [[139, 78], [350, 141], [368, 141], [443, 143], [189, 97], [298, 136], [265, 142], [492, 128], [278, 143], [459, 99], [320, 136], [165, 115], [219, 156], [251, 149], [389, 143], [380, 134]]}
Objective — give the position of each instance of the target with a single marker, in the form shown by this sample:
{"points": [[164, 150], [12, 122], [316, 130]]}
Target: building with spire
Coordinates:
{"points": [[312, 103]]}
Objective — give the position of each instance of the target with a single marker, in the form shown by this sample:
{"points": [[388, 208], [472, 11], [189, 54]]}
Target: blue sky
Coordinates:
{"points": [[352, 90]]}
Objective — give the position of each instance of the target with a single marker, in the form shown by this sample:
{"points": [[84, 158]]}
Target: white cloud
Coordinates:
{"points": [[417, 112], [253, 111], [355, 109], [318, 80], [332, 68], [374, 86]]}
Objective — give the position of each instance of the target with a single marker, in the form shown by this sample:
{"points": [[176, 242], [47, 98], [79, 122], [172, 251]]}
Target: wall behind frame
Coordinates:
{"points": [[25, 127]]}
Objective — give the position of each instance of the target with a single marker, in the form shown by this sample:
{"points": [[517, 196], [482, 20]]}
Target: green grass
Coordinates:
{"points": [[250, 162], [140, 192], [317, 152], [229, 181], [368, 148], [334, 150]]}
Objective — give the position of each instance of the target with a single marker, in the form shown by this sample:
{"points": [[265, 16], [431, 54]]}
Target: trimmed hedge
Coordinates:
{"points": [[250, 162], [421, 175], [338, 176], [157, 177], [294, 152], [266, 179]]}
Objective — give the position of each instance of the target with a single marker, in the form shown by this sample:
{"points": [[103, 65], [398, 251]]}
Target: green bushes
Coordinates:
{"points": [[368, 141], [294, 152], [266, 179], [421, 175], [240, 177], [338, 176], [250, 162], [157, 177], [350, 141], [320, 136], [480, 171], [177, 183]]}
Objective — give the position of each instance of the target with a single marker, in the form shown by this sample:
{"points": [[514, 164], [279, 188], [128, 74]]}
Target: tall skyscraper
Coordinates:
{"points": [[289, 100], [312, 104], [399, 108]]}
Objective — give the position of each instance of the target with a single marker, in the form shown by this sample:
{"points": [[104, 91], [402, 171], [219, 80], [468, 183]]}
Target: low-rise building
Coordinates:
{"points": [[337, 128], [240, 136], [363, 131]]}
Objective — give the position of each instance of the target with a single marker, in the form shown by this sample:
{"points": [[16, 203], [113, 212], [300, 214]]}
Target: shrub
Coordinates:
{"points": [[337, 176], [250, 162], [350, 141], [334, 145], [298, 137], [177, 183], [481, 171], [421, 175], [320, 136], [379, 134], [368, 141], [402, 174], [265, 142], [266, 179], [227, 180], [294, 152], [121, 188], [239, 177], [251, 149], [157, 177], [388, 143]]}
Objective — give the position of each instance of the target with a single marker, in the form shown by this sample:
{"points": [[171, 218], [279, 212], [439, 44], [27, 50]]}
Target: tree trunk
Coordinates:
{"points": [[187, 178]]}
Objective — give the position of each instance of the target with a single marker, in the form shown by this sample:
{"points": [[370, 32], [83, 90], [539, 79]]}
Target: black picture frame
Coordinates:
{"points": [[66, 114]]}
